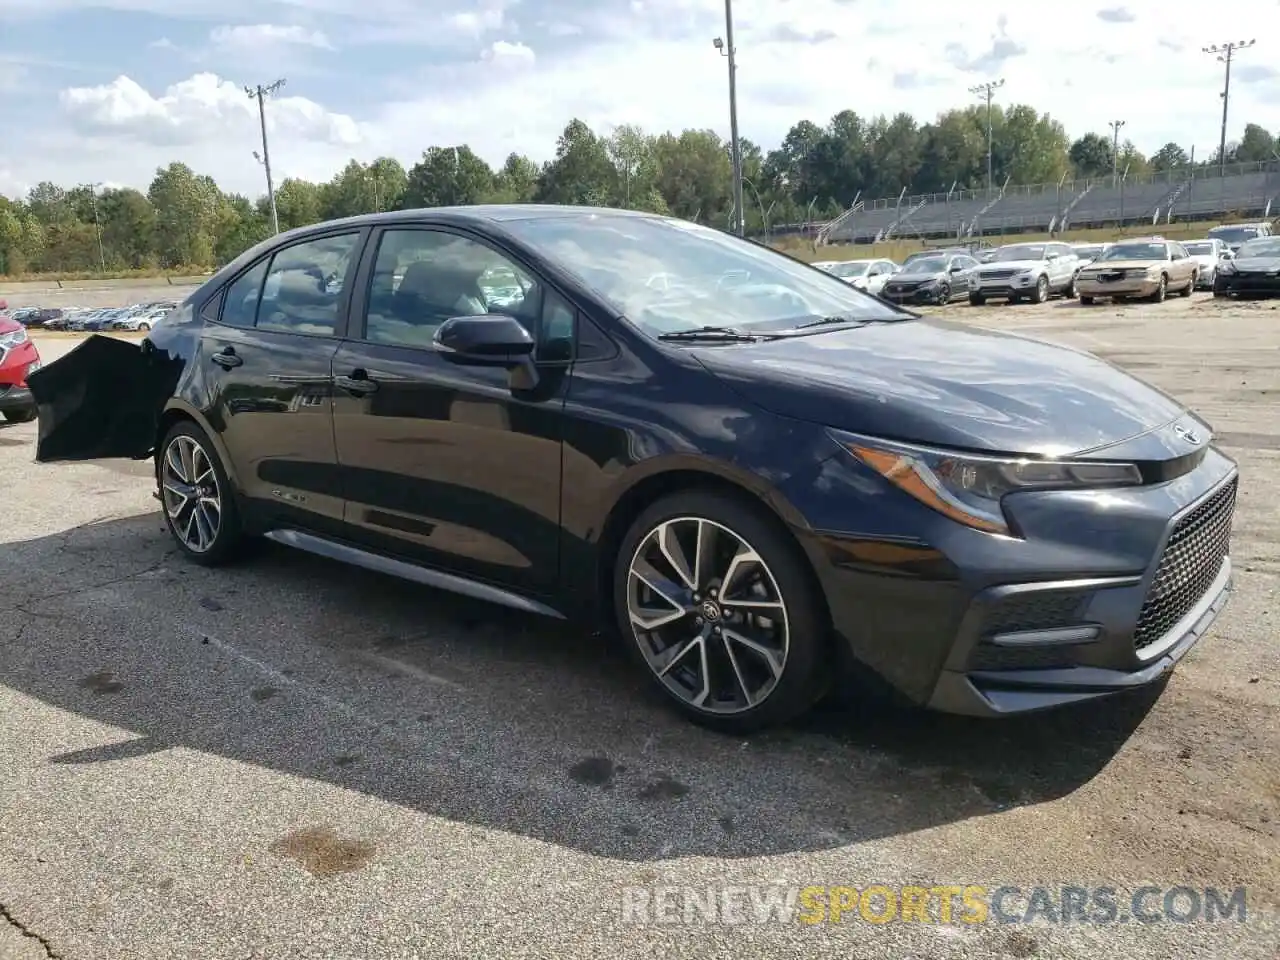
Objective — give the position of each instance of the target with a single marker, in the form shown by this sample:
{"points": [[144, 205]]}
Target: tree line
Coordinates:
{"points": [[185, 221]]}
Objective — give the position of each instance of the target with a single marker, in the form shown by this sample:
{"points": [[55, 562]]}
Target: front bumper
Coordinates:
{"points": [[1260, 283], [1104, 594], [1001, 288], [925, 293], [1126, 287]]}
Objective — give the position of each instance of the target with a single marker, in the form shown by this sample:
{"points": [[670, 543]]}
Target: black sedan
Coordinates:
{"points": [[752, 470], [936, 279], [1255, 270]]}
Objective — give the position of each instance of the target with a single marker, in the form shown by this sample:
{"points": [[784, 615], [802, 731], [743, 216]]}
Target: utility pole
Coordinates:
{"points": [[1115, 126], [986, 90], [97, 225], [260, 93], [726, 48], [1225, 53], [372, 178]]}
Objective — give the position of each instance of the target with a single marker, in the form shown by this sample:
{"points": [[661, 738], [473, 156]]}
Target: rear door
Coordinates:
{"points": [[453, 466], [265, 363]]}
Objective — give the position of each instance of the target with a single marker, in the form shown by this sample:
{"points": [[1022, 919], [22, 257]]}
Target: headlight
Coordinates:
{"points": [[13, 337], [1226, 266], [968, 487]]}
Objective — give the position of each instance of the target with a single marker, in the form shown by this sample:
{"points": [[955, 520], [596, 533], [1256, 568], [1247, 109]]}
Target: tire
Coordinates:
{"points": [[199, 475], [25, 415], [144, 328], [1070, 292], [976, 299], [1220, 292], [1042, 291], [1190, 288], [944, 295], [1162, 291], [670, 652], [1086, 301]]}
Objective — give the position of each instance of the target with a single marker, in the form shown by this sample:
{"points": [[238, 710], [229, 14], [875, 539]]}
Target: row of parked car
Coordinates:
{"points": [[139, 317], [1138, 268]]}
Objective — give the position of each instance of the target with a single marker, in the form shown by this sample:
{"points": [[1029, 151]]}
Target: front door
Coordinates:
{"points": [[267, 360], [447, 465]]}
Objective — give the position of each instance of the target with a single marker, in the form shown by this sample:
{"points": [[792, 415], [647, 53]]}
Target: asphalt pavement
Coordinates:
{"points": [[292, 758]]}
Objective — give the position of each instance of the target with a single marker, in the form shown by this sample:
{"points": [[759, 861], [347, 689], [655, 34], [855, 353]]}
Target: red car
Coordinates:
{"points": [[18, 357]]}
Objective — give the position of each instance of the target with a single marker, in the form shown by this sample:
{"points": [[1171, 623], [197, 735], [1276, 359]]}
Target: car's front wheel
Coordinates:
{"points": [[199, 505], [24, 415], [719, 606]]}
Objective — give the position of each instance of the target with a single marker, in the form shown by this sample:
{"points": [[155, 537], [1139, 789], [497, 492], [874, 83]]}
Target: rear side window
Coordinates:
{"points": [[240, 308], [303, 287]]}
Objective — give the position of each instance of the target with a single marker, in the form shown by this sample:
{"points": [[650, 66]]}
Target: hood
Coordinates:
{"points": [[1017, 266], [1256, 264], [917, 277], [937, 382], [9, 325], [1124, 264]]}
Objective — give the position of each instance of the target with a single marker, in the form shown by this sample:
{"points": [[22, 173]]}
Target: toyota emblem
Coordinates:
{"points": [[1188, 435]]}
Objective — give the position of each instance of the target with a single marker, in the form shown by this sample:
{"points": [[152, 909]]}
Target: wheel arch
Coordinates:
{"points": [[648, 489], [176, 411]]}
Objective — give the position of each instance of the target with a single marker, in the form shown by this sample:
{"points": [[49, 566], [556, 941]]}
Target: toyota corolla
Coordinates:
{"points": [[754, 471]]}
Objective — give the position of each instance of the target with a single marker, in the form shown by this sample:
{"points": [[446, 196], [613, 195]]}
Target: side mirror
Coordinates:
{"points": [[873, 273], [1051, 256], [489, 340], [957, 269]]}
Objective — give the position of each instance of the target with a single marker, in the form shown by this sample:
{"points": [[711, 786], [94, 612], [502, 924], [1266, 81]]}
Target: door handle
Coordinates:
{"points": [[357, 382], [226, 358]]}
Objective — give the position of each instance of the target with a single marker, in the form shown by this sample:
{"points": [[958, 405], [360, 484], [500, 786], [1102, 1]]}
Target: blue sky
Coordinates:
{"points": [[106, 90]]}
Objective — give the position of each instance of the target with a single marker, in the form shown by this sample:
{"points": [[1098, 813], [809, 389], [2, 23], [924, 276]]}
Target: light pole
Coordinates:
{"points": [[97, 225], [726, 48], [260, 93], [985, 90], [1225, 53], [372, 178], [1115, 126]]}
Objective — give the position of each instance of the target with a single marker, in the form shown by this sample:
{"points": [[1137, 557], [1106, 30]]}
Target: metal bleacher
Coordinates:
{"points": [[1242, 190]]}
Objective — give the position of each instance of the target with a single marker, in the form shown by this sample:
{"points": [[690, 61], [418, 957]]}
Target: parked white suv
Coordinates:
{"points": [[1209, 252], [1027, 271]]}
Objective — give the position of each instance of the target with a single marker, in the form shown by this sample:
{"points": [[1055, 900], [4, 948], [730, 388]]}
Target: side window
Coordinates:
{"points": [[422, 278], [303, 287], [240, 306]]}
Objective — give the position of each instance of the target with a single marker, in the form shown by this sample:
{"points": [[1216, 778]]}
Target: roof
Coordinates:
{"points": [[485, 211]]}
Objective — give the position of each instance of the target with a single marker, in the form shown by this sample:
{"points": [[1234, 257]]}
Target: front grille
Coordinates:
{"points": [[1191, 562], [997, 274]]}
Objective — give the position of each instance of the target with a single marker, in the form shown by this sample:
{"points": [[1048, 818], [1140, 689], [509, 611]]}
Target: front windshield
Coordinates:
{"points": [[1262, 247], [926, 265], [1136, 251], [713, 278], [1235, 234], [1088, 251], [1019, 251], [1203, 248], [848, 270]]}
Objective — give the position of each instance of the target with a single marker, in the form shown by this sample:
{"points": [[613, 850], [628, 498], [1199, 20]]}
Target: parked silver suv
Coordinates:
{"points": [[1027, 271]]}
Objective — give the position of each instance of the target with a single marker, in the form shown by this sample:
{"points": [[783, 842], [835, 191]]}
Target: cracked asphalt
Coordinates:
{"points": [[291, 758]]}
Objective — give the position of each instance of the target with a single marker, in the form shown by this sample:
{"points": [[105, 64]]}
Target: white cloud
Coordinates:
{"points": [[268, 35], [652, 63], [502, 51]]}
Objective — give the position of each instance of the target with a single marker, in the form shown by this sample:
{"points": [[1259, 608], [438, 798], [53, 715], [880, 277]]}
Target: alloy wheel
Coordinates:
{"points": [[191, 493], [707, 615]]}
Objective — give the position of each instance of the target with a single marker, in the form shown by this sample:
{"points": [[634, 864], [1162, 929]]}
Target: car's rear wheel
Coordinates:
{"points": [[1086, 301], [719, 606], [976, 299], [1070, 292], [25, 415], [144, 327], [200, 508], [1189, 288]]}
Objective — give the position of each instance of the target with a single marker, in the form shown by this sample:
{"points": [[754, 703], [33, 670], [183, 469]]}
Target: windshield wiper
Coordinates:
{"points": [[852, 321], [722, 334]]}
